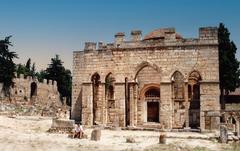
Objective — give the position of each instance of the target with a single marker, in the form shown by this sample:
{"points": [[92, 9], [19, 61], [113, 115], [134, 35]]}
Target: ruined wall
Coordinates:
{"points": [[31, 90], [125, 59]]}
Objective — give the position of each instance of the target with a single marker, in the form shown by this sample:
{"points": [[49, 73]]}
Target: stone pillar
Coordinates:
{"points": [[87, 104], [210, 106], [187, 104], [166, 105], [104, 106], [133, 104], [99, 104]]}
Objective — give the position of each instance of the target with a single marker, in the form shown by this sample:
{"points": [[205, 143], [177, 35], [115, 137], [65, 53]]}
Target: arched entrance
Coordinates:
{"points": [[33, 91], [152, 98], [178, 97], [95, 89], [194, 99]]}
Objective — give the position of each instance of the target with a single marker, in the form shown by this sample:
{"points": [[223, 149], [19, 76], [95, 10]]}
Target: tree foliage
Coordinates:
{"points": [[7, 66], [27, 69], [228, 64], [57, 72]]}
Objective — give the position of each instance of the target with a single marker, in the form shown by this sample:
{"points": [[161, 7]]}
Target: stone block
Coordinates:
{"points": [[96, 135], [162, 139], [130, 139]]}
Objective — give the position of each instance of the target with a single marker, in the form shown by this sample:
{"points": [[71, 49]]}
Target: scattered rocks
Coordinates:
{"points": [[96, 135], [130, 139]]}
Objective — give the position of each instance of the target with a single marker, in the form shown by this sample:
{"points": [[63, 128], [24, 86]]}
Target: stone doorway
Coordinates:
{"points": [[95, 89], [152, 98], [194, 100], [33, 89], [153, 111]]}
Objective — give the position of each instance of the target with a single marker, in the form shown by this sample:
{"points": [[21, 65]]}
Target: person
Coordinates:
{"points": [[81, 130], [78, 131]]}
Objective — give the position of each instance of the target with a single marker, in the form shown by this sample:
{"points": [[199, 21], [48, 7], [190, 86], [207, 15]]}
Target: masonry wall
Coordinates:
{"points": [[45, 91], [127, 58]]}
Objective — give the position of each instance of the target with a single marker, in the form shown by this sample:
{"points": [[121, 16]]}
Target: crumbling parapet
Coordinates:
{"points": [[28, 88], [162, 37], [136, 35], [90, 46], [206, 33]]}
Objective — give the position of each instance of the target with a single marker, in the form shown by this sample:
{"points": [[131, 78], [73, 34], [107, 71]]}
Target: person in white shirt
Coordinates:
{"points": [[78, 131]]}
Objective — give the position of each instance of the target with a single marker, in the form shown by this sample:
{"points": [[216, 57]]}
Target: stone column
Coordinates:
{"points": [[99, 103], [104, 106], [133, 104], [166, 106], [187, 104]]}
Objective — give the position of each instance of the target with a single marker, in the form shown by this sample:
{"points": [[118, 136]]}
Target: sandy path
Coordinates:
{"points": [[29, 134]]}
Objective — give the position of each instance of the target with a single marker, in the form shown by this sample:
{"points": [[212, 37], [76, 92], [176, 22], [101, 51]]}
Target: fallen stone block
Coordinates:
{"points": [[162, 139], [130, 139], [61, 126], [96, 135]]}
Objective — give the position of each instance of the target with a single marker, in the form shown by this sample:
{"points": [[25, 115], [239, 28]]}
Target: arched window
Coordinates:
{"points": [[152, 93], [109, 90], [178, 85], [95, 85], [194, 100]]}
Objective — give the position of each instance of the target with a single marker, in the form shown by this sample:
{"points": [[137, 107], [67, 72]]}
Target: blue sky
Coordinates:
{"points": [[43, 28]]}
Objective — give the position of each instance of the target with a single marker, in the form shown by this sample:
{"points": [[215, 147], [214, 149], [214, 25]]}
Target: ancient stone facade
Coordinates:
{"points": [[31, 90], [162, 80]]}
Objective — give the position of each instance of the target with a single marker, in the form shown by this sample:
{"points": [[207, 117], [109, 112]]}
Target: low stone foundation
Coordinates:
{"points": [[61, 126]]}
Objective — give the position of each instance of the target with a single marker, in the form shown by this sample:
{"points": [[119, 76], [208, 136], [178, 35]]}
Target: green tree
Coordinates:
{"points": [[57, 72], [21, 69], [228, 64], [28, 64], [26, 70], [41, 75], [33, 71], [7, 66]]}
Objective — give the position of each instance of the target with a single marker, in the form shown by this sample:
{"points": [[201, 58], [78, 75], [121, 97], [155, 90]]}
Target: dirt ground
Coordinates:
{"points": [[28, 133]]}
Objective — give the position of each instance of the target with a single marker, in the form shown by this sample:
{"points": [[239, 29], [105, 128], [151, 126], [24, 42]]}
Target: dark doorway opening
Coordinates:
{"points": [[153, 111], [95, 89], [194, 108], [33, 89]]}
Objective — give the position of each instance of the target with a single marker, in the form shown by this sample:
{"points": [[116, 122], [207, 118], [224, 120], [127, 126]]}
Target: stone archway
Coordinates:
{"points": [[96, 96], [194, 99], [150, 97], [178, 98]]}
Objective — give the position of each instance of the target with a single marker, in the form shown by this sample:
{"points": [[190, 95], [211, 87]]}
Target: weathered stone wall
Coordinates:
{"points": [[155, 60], [45, 92]]}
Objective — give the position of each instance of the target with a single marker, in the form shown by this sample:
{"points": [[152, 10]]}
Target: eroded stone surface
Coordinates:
{"points": [[163, 81]]}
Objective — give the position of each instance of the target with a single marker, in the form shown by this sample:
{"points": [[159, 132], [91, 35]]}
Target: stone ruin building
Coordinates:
{"points": [[30, 89], [30, 94], [159, 81]]}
